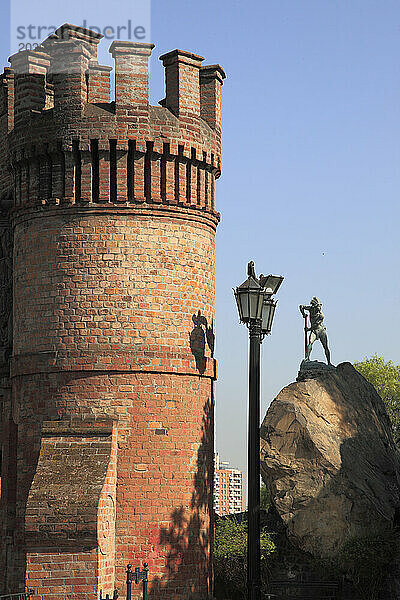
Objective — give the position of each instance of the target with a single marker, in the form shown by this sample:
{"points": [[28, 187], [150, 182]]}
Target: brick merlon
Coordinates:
{"points": [[181, 56], [68, 31], [30, 61], [212, 72], [211, 80], [30, 67], [131, 73], [182, 82], [95, 66], [124, 47]]}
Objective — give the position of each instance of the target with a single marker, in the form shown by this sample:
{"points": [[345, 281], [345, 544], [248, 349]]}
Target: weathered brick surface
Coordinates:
{"points": [[108, 434]]}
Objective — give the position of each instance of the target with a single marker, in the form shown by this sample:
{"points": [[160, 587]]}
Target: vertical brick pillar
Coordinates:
{"points": [[131, 73], [6, 125], [58, 173], [139, 164], [30, 68], [121, 173], [211, 80], [155, 194], [182, 81], [104, 171], [86, 174], [69, 63], [180, 191], [98, 82], [69, 191], [7, 109], [169, 178]]}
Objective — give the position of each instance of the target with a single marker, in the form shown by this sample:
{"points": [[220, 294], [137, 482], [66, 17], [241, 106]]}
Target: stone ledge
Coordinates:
{"points": [[181, 212], [84, 428], [123, 361]]}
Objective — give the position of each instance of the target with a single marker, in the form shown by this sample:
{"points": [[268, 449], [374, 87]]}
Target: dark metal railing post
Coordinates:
{"points": [[107, 596], [145, 580], [129, 579], [137, 576], [253, 473]]}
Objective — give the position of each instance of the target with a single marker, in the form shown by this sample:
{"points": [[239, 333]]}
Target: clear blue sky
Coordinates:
{"points": [[310, 179]]}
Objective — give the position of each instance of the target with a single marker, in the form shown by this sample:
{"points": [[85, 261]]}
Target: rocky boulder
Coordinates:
{"points": [[329, 460]]}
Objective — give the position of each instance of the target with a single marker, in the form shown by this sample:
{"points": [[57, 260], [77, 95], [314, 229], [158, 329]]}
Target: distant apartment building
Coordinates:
{"points": [[228, 488]]}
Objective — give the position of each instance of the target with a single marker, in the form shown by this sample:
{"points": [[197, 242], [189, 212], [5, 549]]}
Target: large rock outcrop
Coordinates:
{"points": [[329, 459]]}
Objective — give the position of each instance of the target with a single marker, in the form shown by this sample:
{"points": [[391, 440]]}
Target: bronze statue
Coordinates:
{"points": [[318, 329]]}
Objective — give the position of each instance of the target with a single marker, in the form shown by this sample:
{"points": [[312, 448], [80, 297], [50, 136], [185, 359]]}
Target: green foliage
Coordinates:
{"points": [[230, 557], [231, 540], [366, 561], [264, 497], [385, 377]]}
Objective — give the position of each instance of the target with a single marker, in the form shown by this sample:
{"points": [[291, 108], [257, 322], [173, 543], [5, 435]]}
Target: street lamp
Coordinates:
{"points": [[256, 309]]}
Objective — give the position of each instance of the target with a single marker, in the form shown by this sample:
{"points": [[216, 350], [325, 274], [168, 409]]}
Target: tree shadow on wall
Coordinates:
{"points": [[201, 334], [187, 565]]}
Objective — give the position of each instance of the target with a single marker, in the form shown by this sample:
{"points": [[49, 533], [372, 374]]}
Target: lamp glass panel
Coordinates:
{"points": [[253, 305], [256, 298], [260, 305], [249, 300], [268, 311], [271, 317], [238, 304], [272, 283], [244, 300]]}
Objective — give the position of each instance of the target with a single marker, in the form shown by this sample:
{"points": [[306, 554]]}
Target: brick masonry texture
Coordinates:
{"points": [[107, 365]]}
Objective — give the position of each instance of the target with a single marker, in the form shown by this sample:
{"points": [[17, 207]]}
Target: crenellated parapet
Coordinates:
{"points": [[126, 172], [69, 144]]}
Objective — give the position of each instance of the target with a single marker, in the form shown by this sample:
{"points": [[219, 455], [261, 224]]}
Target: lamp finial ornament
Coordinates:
{"points": [[250, 270]]}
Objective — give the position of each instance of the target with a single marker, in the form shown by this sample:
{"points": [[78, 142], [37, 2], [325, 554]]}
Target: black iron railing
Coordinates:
{"points": [[18, 596], [131, 576], [137, 575], [108, 597]]}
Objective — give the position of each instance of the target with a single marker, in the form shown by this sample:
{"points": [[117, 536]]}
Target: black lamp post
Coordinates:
{"points": [[256, 309]]}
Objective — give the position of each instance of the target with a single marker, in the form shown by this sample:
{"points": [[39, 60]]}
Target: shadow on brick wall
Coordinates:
{"points": [[201, 334], [189, 537]]}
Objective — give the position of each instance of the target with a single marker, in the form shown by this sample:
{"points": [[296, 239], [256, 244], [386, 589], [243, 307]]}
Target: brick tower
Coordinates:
{"points": [[107, 310]]}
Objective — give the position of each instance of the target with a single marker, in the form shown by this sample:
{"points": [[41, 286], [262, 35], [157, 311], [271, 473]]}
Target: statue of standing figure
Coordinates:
{"points": [[318, 329]]}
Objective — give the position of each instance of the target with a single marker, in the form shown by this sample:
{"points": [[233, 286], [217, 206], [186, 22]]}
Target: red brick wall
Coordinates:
{"points": [[114, 223], [111, 282], [55, 575]]}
